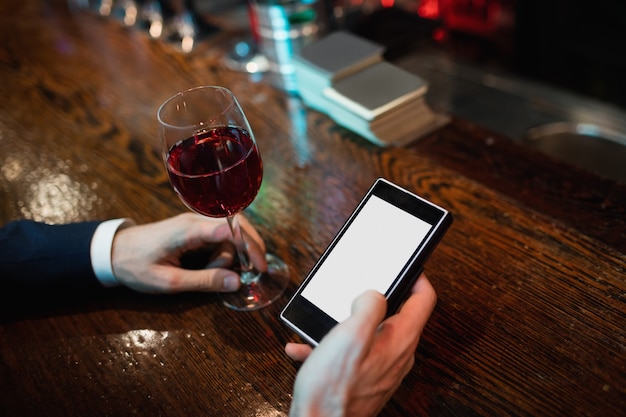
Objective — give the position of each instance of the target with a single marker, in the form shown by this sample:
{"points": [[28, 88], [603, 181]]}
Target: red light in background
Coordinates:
{"points": [[387, 3], [480, 17], [428, 9], [440, 34]]}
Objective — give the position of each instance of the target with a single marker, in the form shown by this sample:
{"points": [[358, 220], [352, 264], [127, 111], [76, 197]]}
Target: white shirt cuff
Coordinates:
{"points": [[101, 248]]}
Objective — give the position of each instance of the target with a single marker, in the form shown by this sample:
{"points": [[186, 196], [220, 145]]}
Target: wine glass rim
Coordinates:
{"points": [[191, 90]]}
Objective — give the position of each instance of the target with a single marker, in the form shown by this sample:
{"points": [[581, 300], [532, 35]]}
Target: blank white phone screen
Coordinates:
{"points": [[370, 255]]}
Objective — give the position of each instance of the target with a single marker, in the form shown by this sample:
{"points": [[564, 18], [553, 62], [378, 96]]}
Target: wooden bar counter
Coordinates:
{"points": [[531, 316]]}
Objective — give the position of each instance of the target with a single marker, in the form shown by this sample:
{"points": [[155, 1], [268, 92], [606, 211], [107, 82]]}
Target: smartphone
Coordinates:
{"points": [[382, 246]]}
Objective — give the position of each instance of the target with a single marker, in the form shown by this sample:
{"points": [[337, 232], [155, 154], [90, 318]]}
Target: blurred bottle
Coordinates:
{"points": [[283, 27]]}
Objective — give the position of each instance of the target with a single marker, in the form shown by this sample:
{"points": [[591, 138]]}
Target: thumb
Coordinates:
{"points": [[368, 311], [369, 308]]}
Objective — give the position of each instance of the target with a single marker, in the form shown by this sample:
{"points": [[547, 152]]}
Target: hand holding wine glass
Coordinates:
{"points": [[215, 167]]}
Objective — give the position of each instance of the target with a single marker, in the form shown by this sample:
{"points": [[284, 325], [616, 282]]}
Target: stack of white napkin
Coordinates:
{"points": [[346, 77]]}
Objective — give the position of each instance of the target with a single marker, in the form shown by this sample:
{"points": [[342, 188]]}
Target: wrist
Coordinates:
{"points": [[101, 250]]}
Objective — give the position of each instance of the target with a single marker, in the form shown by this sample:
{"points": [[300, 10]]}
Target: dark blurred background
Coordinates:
{"points": [[574, 44], [546, 73]]}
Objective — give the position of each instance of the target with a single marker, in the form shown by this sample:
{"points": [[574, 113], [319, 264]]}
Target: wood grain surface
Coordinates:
{"points": [[531, 317]]}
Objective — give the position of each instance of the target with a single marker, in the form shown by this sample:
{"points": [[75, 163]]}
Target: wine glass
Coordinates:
{"points": [[215, 167]]}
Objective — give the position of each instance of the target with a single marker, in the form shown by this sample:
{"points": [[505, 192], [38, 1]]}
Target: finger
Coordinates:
{"points": [[256, 252], [206, 280], [195, 231], [254, 243], [298, 351], [419, 306], [252, 233], [404, 329], [223, 256], [215, 230], [368, 310]]}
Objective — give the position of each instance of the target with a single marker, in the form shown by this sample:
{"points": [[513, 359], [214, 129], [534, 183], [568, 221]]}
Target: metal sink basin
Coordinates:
{"points": [[589, 146], [571, 128]]}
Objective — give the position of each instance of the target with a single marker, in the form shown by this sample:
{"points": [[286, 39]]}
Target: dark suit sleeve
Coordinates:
{"points": [[36, 255]]}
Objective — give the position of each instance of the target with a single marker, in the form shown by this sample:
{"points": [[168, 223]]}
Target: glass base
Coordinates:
{"points": [[262, 293]]}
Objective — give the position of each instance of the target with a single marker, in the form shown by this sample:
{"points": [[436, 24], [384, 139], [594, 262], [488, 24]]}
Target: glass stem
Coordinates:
{"points": [[248, 273]]}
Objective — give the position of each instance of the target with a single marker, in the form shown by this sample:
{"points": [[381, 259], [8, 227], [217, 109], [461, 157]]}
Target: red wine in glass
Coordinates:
{"points": [[216, 172], [214, 166]]}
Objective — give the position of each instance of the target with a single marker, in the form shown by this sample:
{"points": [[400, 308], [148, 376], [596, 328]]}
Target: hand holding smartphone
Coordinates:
{"points": [[382, 246]]}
